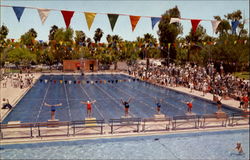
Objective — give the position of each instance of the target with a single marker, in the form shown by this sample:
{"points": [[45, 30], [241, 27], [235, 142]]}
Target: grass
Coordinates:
{"points": [[12, 71], [242, 75]]}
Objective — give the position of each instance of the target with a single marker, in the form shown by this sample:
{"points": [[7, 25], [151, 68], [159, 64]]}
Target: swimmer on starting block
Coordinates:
{"points": [[126, 105], [89, 107], [189, 105], [52, 109], [158, 105]]}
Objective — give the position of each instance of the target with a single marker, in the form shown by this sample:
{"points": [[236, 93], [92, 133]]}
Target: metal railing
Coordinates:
{"points": [[86, 127]]}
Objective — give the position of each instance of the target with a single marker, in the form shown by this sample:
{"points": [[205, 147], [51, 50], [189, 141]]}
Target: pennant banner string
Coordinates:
{"points": [[79, 11], [109, 13]]}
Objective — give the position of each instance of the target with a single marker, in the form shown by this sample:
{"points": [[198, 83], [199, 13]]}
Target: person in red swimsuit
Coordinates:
{"points": [[245, 100], [89, 107], [190, 106]]}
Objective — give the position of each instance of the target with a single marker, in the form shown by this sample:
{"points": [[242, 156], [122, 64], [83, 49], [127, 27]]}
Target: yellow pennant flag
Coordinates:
{"points": [[89, 18], [169, 44]]}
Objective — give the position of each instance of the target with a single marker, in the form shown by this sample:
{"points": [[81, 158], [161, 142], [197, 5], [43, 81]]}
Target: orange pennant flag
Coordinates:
{"points": [[134, 20]]}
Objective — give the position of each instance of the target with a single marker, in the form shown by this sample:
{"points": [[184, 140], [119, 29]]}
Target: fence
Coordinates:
{"points": [[87, 127]]}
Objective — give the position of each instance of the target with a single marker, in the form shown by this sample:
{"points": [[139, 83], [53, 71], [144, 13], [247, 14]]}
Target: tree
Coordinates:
{"points": [[109, 39], [52, 32], [195, 38], [80, 38], [61, 48], [3, 34], [21, 56], [168, 32], [236, 16], [98, 35], [29, 37]]}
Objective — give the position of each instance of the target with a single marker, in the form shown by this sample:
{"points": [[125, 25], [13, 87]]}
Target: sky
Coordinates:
{"points": [[193, 9]]}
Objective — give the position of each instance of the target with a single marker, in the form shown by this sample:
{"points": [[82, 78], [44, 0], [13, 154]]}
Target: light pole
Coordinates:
{"points": [[168, 56]]}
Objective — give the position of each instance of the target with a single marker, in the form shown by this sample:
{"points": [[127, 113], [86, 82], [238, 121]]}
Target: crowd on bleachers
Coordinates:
{"points": [[205, 79], [17, 80]]}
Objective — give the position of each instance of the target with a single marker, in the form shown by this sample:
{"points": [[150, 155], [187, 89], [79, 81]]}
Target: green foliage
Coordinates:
{"points": [[80, 37], [98, 35], [21, 56], [29, 37], [230, 49], [52, 32], [168, 32], [3, 32]]}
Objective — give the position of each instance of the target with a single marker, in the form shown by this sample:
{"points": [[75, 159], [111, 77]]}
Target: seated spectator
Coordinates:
{"points": [[6, 104]]}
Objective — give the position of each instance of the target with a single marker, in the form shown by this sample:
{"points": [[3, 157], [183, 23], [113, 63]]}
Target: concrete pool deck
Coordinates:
{"points": [[15, 94]]}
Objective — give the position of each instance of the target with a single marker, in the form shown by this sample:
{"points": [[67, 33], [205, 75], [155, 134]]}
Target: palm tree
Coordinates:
{"points": [[3, 32], [88, 42], [52, 32], [98, 35], [32, 32], [109, 40], [195, 38], [223, 27]]}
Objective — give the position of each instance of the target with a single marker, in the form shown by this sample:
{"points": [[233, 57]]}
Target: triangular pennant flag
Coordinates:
{"points": [[67, 15], [234, 26], [89, 18], [195, 23], [18, 11], [174, 20], [112, 19], [134, 20], [169, 44], [43, 13], [154, 20], [215, 24]]}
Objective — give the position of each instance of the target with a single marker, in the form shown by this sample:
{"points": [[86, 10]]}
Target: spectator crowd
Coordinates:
{"points": [[205, 79]]}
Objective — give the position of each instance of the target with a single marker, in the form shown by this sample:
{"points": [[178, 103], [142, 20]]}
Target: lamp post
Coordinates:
{"points": [[168, 56]]}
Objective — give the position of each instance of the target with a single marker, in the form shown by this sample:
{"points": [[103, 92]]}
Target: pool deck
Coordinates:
{"points": [[15, 94]]}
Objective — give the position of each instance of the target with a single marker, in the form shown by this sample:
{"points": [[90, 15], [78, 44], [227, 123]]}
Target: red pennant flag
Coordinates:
{"points": [[67, 15], [134, 20], [195, 23]]}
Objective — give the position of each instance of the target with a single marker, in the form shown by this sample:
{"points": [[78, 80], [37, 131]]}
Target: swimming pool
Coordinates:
{"points": [[203, 145], [93, 87]]}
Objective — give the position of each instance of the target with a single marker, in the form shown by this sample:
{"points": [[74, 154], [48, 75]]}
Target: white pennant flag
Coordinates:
{"points": [[215, 24], [43, 13], [174, 20]]}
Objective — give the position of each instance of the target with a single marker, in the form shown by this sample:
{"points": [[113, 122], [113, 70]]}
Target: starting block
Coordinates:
{"points": [[190, 113], [220, 114], [92, 123], [124, 117], [53, 123], [159, 116], [14, 122]]}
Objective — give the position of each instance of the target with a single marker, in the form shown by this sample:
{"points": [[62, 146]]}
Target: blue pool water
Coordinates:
{"points": [[108, 105], [204, 145]]}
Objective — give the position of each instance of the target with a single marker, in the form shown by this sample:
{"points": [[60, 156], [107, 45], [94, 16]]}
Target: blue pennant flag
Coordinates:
{"points": [[154, 20], [18, 11], [234, 26]]}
